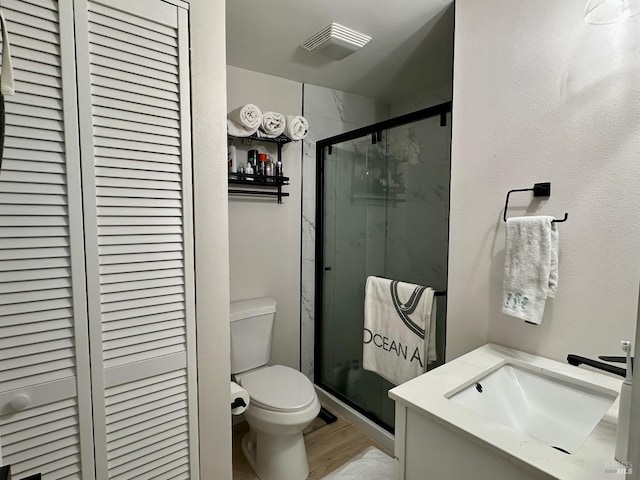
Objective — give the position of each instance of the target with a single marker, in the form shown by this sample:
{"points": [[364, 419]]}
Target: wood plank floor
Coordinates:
{"points": [[328, 448]]}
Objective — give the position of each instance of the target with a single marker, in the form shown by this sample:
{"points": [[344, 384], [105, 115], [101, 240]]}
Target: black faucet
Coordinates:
{"points": [[577, 360]]}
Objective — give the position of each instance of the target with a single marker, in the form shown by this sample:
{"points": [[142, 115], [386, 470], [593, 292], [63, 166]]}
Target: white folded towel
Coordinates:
{"points": [[238, 130], [297, 127], [399, 329], [273, 125], [530, 266], [249, 116]]}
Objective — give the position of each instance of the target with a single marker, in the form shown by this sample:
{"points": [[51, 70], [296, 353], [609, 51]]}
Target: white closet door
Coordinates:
{"points": [[43, 315], [135, 139]]}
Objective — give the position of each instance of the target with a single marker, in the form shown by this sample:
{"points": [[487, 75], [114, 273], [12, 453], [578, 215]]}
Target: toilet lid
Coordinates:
{"points": [[278, 388]]}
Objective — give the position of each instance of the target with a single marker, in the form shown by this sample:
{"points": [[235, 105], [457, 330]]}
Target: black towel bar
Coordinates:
{"points": [[539, 190]]}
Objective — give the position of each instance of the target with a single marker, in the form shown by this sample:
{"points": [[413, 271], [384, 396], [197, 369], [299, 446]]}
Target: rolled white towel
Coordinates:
{"points": [[297, 127], [273, 125], [248, 116], [238, 130]]}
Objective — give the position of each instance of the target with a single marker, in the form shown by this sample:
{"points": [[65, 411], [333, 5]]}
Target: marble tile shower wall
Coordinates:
{"points": [[417, 233], [418, 230], [330, 112]]}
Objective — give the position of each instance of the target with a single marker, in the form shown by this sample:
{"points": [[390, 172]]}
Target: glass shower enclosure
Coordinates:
{"points": [[382, 209]]}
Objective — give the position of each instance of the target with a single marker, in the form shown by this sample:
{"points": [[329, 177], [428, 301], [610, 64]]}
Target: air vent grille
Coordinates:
{"points": [[338, 32]]}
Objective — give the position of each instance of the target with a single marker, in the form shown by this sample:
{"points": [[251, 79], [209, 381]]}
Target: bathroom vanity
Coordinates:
{"points": [[500, 414]]}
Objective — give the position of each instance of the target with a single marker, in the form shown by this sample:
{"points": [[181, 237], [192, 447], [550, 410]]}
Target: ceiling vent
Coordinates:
{"points": [[336, 41]]}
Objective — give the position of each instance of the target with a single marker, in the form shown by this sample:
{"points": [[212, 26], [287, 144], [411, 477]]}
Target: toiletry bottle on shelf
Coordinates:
{"points": [[624, 412], [252, 159], [262, 163], [249, 172], [233, 159], [268, 167]]}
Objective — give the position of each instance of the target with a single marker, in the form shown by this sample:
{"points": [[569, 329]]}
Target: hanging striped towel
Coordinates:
{"points": [[399, 329]]}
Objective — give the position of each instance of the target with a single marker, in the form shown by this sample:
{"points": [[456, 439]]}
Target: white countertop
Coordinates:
{"points": [[426, 395]]}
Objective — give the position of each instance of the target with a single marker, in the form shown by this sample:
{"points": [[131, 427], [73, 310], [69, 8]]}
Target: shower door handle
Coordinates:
{"points": [[327, 269]]}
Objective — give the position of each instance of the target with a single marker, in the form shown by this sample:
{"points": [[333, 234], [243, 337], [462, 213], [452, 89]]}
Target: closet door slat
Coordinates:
{"points": [[164, 125], [102, 26]]}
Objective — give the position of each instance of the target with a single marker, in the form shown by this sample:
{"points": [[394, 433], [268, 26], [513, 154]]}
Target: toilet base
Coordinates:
{"points": [[276, 457]]}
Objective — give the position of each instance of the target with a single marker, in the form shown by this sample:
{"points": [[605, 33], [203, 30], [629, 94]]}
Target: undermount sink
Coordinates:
{"points": [[557, 410]]}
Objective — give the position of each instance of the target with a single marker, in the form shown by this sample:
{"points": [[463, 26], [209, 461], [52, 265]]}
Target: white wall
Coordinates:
{"points": [[541, 96], [211, 244], [264, 237]]}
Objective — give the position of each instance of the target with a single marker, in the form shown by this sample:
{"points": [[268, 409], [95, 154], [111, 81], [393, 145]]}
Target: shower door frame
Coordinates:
{"points": [[375, 130]]}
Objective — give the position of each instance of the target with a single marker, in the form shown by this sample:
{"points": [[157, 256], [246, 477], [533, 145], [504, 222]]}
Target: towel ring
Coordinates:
{"points": [[539, 190]]}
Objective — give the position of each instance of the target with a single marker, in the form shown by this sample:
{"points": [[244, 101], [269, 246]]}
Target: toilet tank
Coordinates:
{"points": [[251, 333]]}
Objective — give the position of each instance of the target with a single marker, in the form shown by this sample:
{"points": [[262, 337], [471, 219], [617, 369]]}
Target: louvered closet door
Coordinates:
{"points": [[43, 318], [134, 80]]}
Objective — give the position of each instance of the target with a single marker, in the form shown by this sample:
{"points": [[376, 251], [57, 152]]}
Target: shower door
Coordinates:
{"points": [[383, 203]]}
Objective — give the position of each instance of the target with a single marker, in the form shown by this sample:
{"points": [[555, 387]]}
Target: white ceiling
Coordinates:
{"points": [[411, 50]]}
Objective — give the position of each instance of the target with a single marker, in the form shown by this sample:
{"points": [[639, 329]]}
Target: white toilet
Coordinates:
{"points": [[283, 401]]}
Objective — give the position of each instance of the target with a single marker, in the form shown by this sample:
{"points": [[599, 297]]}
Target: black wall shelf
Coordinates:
{"points": [[267, 185]]}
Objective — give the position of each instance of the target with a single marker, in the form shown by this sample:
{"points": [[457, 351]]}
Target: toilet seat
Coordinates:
{"points": [[278, 388]]}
